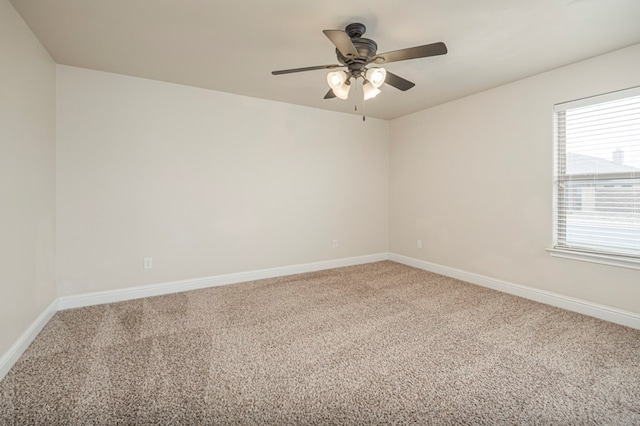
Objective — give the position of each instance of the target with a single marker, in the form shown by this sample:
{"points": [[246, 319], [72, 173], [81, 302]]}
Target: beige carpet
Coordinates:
{"points": [[371, 344]]}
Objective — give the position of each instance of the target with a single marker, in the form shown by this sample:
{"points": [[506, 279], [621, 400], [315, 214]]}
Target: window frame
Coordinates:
{"points": [[560, 178]]}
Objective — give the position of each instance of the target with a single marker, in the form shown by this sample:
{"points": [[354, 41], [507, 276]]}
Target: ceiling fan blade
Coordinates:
{"points": [[317, 67], [433, 49], [330, 94], [342, 41], [398, 82]]}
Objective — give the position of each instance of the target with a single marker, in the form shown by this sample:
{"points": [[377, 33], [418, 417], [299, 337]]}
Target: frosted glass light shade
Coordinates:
{"points": [[342, 92], [337, 80], [376, 76], [370, 91]]}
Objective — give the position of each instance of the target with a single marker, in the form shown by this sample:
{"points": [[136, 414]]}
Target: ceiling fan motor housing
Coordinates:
{"points": [[366, 48]]}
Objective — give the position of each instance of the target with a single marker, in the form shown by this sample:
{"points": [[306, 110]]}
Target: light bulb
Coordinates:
{"points": [[376, 76], [336, 79]]}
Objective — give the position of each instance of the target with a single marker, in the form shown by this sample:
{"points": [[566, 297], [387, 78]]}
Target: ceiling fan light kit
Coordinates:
{"points": [[356, 53]]}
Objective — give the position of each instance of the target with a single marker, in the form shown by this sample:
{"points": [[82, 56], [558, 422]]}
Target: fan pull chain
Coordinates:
{"points": [[364, 102], [364, 108], [355, 105]]}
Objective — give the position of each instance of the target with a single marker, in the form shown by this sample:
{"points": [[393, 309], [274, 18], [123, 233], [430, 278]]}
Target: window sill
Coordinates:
{"points": [[604, 259]]}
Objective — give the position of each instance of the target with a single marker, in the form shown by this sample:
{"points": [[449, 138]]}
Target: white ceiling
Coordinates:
{"points": [[233, 45]]}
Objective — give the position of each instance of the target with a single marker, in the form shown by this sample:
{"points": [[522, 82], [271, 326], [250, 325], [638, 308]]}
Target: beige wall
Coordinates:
{"points": [[27, 177], [473, 180], [207, 183]]}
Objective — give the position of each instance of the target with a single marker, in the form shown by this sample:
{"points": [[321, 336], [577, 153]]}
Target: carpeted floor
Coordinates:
{"points": [[370, 344]]}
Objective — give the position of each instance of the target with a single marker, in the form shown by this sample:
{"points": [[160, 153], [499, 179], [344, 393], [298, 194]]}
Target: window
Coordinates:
{"points": [[597, 179]]}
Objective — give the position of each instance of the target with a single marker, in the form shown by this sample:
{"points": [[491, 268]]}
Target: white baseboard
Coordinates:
{"points": [[603, 312], [110, 296], [606, 313], [15, 352]]}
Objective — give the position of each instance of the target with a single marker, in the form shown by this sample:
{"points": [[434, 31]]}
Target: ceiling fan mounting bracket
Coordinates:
{"points": [[355, 30]]}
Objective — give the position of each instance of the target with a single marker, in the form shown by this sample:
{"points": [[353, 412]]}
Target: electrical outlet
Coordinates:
{"points": [[335, 243], [148, 263], [419, 244]]}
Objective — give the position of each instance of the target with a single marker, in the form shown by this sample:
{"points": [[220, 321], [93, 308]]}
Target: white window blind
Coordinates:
{"points": [[597, 174]]}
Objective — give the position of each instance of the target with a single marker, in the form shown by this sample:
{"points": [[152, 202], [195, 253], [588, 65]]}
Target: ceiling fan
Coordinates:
{"points": [[357, 54]]}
